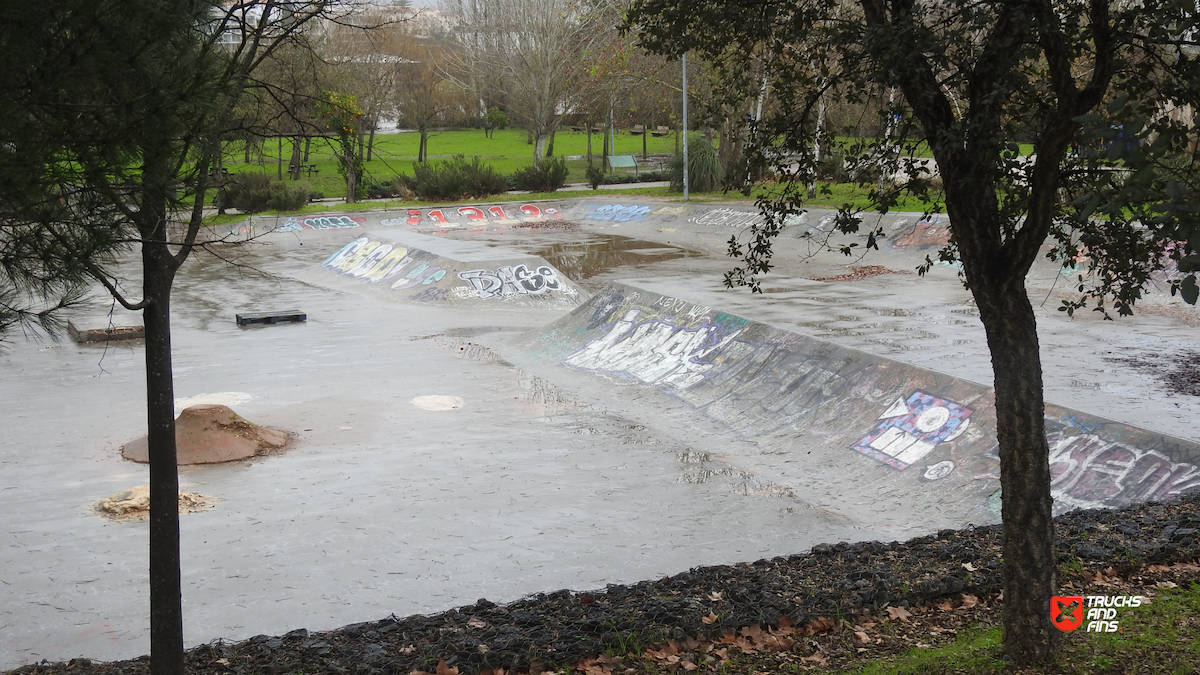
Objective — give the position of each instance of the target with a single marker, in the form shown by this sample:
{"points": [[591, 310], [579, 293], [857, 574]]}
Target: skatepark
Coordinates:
{"points": [[493, 401]]}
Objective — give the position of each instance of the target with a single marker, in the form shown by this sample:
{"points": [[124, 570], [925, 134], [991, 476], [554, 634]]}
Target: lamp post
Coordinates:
{"points": [[685, 130]]}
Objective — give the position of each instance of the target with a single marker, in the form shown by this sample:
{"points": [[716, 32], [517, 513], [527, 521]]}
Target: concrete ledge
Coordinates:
{"points": [[103, 332]]}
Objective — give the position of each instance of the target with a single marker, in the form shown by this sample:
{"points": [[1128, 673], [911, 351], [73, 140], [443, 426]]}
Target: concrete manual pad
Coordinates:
{"points": [[436, 462]]}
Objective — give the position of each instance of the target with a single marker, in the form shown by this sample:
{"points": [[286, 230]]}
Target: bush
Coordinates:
{"points": [[246, 192], [548, 177], [595, 176], [380, 189], [704, 168], [643, 177], [456, 178], [288, 196]]}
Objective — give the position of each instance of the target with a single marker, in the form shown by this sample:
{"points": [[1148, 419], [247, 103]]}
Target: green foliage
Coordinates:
{"points": [[456, 178], [550, 176], [495, 118], [289, 196], [705, 172], [257, 192], [595, 176]]}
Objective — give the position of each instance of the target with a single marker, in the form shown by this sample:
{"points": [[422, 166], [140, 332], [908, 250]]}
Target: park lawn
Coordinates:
{"points": [[395, 154]]}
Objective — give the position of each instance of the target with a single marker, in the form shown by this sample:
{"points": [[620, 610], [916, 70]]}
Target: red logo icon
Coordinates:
{"points": [[1066, 612]]}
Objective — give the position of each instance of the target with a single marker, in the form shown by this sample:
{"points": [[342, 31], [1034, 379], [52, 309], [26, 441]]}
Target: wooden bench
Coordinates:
{"points": [[623, 162], [271, 317], [637, 130], [661, 131]]}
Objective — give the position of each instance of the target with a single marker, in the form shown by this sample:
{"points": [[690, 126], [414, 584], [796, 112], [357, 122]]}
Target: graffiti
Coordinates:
{"points": [[511, 280], [939, 470], [922, 235], [374, 261], [730, 217], [1087, 471], [618, 213], [292, 225], [473, 215], [656, 352], [331, 222], [910, 429]]}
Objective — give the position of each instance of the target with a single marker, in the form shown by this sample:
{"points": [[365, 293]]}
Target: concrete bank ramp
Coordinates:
{"points": [[894, 440], [418, 268]]}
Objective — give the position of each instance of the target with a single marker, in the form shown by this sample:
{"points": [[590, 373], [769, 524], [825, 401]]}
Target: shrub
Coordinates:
{"points": [[643, 177], [455, 178], [595, 176], [380, 189], [704, 168], [548, 177], [288, 196], [247, 192]]}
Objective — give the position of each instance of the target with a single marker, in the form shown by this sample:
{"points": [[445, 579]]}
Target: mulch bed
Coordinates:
{"points": [[754, 603]]}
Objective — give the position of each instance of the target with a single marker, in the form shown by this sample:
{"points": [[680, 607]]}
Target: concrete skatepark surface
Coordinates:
{"points": [[550, 474]]}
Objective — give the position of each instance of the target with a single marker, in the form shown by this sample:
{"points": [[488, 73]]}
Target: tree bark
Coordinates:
{"points": [[422, 155], [351, 171], [307, 146], [371, 144], [158, 269], [294, 165]]}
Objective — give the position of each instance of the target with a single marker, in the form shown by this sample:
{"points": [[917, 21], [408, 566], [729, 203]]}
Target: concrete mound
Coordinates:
{"points": [[210, 434], [134, 504], [432, 270], [894, 440]]}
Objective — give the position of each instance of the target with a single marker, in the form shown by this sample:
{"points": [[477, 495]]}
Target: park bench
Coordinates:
{"points": [[623, 162], [309, 169], [637, 130], [661, 131], [271, 317]]}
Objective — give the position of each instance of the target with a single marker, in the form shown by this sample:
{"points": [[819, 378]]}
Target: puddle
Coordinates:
{"points": [[600, 253]]}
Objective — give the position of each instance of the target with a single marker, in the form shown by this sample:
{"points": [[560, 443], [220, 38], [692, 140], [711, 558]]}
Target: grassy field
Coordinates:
{"points": [[395, 154]]}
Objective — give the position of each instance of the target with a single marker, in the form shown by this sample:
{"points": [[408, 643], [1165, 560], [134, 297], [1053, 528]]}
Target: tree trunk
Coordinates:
{"points": [[589, 135], [294, 165], [645, 133], [550, 145], [246, 159], [158, 269], [351, 171], [371, 144], [307, 147], [422, 149], [279, 159], [539, 149]]}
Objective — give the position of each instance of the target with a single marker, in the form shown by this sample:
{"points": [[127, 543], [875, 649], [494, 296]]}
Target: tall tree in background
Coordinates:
{"points": [[974, 75], [115, 115], [531, 47]]}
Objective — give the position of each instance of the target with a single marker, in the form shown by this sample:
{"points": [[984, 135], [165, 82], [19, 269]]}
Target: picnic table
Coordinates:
{"points": [[309, 169]]}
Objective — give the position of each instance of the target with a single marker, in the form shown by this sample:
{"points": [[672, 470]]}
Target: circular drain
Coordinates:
{"points": [[437, 403]]}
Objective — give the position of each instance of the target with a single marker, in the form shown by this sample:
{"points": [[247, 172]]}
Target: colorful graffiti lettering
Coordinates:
{"points": [[471, 215], [374, 261], [511, 280], [656, 352], [922, 235], [730, 217], [331, 222], [618, 213], [291, 225], [910, 429], [1087, 471]]}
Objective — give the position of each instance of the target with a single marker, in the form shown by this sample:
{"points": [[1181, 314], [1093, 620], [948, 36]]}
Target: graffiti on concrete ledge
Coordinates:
{"points": [[1087, 471], [474, 215], [618, 213], [729, 217], [375, 261], [512, 280], [330, 222], [657, 351], [922, 235], [910, 429]]}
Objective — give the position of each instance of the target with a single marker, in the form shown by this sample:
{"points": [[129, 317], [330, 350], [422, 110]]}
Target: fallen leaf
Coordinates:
{"points": [[1167, 584], [922, 645], [716, 596], [821, 624], [722, 653], [785, 622], [407, 650], [688, 665], [444, 669], [222, 661], [899, 613], [968, 567], [969, 601], [477, 623], [816, 657], [710, 619], [862, 637], [945, 606]]}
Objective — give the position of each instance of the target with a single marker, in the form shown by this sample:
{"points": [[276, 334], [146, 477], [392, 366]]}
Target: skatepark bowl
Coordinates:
{"points": [[493, 401]]}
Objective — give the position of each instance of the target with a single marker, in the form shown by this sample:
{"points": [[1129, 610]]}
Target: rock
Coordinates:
{"points": [[134, 503], [209, 433]]}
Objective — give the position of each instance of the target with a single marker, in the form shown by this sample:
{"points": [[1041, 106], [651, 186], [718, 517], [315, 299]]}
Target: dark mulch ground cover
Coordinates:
{"points": [[839, 581]]}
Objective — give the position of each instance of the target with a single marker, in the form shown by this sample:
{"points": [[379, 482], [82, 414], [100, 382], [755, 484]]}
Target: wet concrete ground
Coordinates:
{"points": [[536, 483]]}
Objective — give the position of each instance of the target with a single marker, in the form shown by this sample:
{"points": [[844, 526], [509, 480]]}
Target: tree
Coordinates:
{"points": [[531, 48], [424, 97], [125, 106], [339, 113], [970, 79]]}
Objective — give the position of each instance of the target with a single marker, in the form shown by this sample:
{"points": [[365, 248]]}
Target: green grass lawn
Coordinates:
{"points": [[395, 154]]}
